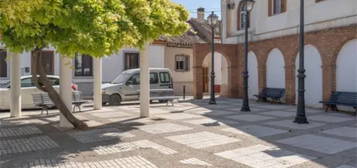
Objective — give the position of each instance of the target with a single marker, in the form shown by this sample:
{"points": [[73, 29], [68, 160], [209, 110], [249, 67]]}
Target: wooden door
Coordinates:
{"points": [[205, 79]]}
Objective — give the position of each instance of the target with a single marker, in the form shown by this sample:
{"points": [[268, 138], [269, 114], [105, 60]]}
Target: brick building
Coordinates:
{"points": [[330, 51]]}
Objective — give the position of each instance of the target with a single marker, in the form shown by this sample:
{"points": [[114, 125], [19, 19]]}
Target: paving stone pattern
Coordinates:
{"points": [[19, 131], [32, 144], [192, 134], [100, 135], [129, 162], [129, 146]]}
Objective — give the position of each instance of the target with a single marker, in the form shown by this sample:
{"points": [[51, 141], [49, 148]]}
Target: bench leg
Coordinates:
{"points": [[355, 110], [326, 108]]}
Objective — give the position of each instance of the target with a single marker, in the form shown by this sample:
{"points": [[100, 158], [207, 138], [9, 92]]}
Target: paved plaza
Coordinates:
{"points": [[191, 134]]}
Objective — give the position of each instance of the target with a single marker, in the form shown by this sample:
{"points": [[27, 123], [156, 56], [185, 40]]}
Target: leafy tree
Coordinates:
{"points": [[93, 27]]}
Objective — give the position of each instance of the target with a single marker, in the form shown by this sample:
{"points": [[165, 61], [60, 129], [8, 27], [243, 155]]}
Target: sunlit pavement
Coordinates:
{"points": [[190, 134]]}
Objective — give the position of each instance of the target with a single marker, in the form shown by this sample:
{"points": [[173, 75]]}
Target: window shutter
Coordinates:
{"points": [[270, 7], [284, 6], [187, 63], [238, 16]]}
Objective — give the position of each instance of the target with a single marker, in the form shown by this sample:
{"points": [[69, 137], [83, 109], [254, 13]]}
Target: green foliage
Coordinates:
{"points": [[94, 27]]}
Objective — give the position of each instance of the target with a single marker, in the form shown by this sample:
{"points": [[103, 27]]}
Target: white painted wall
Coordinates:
{"points": [[157, 56], [347, 70], [217, 66], [347, 67], [313, 80], [275, 69], [253, 75], [322, 15]]}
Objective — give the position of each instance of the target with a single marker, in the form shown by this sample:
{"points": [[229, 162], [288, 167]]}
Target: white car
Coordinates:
{"points": [[27, 90]]}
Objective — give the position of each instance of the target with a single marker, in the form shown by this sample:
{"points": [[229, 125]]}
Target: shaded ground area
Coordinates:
{"points": [[190, 134]]}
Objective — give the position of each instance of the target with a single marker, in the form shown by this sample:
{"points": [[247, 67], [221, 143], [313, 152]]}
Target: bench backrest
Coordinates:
{"points": [[274, 92], [41, 98], [76, 96], [348, 98]]}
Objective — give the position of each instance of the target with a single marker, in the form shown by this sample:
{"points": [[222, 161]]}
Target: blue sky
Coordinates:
{"points": [[209, 5]]}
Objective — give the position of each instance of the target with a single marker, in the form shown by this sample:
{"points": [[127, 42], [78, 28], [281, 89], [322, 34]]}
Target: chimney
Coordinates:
{"points": [[201, 14]]}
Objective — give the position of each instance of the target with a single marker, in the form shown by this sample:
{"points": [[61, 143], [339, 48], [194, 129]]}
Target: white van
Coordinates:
{"points": [[126, 87]]}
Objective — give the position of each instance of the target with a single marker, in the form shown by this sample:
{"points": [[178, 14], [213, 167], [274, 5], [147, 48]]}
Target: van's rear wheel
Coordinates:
{"points": [[114, 100]]}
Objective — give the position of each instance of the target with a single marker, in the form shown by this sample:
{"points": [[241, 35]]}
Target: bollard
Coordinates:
{"points": [[184, 92]]}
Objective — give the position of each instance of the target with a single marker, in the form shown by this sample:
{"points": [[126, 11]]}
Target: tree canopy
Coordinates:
{"points": [[93, 27]]}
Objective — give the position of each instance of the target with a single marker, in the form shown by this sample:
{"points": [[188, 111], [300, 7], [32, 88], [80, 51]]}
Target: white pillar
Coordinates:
{"points": [[66, 88], [144, 82], [97, 86], [15, 106]]}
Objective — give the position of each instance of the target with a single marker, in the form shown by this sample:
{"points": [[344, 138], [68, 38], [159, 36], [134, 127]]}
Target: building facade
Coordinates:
{"points": [[330, 47]]}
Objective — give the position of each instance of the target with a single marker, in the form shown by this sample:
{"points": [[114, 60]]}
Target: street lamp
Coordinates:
{"points": [[212, 21], [300, 114], [247, 8]]}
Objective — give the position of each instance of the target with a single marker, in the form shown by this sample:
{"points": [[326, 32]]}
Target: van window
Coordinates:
{"points": [[27, 83], [165, 77], [134, 80], [154, 79]]}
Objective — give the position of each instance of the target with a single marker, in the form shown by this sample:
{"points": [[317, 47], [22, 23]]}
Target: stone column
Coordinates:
{"points": [[66, 88], [290, 78], [144, 82], [15, 88], [97, 86], [197, 82]]}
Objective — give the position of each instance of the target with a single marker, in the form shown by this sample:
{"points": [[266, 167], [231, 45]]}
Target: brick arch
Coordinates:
{"points": [[200, 51], [340, 47]]}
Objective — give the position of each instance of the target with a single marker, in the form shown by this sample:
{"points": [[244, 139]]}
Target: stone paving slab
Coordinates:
{"points": [[15, 146], [195, 161], [319, 143], [163, 128], [19, 131], [128, 162], [343, 132], [261, 156], [202, 139], [249, 117], [291, 125], [255, 130], [102, 134], [330, 119], [130, 146]]}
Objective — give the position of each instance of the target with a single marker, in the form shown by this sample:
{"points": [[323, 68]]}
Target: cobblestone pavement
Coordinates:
{"points": [[191, 134]]}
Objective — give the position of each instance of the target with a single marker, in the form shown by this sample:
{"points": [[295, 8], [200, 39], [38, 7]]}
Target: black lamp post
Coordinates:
{"points": [[300, 114], [248, 7], [212, 21]]}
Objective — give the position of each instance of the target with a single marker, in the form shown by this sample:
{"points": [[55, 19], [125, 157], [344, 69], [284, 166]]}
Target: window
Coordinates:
{"points": [[134, 80], [154, 79], [165, 77], [240, 17], [131, 60], [27, 83], [47, 58], [277, 7], [182, 63], [3, 64], [83, 65]]}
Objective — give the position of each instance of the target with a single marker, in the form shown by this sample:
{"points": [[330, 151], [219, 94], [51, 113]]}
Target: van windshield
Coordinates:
{"points": [[122, 78]]}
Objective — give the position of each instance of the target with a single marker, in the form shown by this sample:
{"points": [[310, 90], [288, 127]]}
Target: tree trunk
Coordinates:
{"points": [[39, 78]]}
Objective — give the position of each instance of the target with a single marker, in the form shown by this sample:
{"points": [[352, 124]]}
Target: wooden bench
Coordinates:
{"points": [[275, 94], [43, 101], [77, 101], [341, 98]]}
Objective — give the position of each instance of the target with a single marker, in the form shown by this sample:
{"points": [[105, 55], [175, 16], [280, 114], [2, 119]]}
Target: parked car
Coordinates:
{"points": [[126, 87], [27, 90]]}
